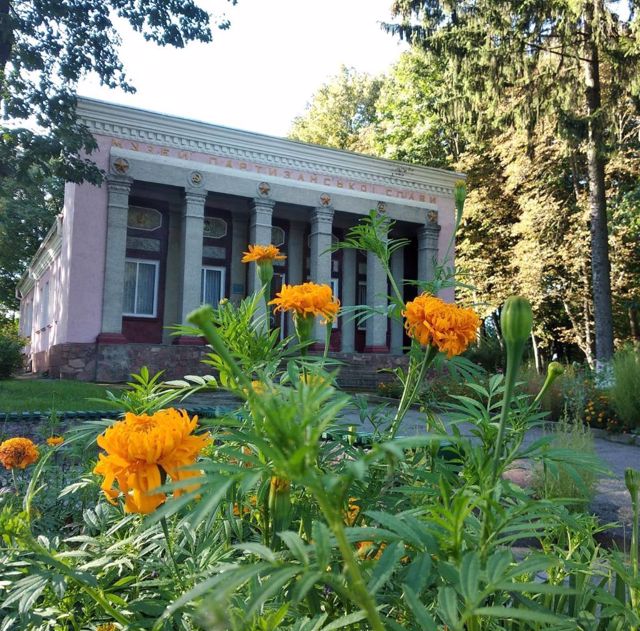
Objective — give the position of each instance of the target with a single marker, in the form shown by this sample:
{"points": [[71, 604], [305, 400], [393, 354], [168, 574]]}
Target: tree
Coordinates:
{"points": [[27, 210], [341, 113], [540, 56], [47, 46]]}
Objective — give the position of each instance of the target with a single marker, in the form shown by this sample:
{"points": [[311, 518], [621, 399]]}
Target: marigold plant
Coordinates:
{"points": [[18, 453], [261, 253], [54, 441], [307, 300], [432, 321], [142, 450]]}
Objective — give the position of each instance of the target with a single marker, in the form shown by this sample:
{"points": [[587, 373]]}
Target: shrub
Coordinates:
{"points": [[553, 400], [625, 392], [10, 351], [568, 480], [487, 353]]}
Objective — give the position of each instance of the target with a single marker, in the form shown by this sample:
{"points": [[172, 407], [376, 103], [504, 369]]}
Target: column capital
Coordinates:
{"points": [[323, 214], [119, 183], [427, 233], [194, 195], [262, 204]]}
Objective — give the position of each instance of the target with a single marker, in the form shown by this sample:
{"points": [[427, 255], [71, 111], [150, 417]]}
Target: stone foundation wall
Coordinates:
{"points": [[113, 363]]}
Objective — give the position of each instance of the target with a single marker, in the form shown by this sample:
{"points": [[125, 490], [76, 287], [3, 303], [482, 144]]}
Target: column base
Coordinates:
{"points": [[380, 348], [111, 338], [189, 340]]}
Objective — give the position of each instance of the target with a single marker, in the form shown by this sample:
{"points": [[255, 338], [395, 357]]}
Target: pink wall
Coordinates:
{"points": [[84, 235]]}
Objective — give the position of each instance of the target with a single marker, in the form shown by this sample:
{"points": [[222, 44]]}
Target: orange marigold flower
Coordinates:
{"points": [[260, 253], [141, 450], [430, 320], [18, 452], [54, 441], [364, 549], [306, 300]]}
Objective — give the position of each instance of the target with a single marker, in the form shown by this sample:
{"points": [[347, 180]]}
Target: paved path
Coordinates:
{"points": [[611, 502]]}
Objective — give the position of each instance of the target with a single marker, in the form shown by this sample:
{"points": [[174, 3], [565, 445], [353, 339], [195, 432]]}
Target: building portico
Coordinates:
{"points": [[180, 203]]}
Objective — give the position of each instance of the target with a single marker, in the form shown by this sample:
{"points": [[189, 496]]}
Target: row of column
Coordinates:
{"points": [[260, 226]]}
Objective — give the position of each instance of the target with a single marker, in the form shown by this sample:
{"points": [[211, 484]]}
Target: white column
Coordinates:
{"points": [[397, 328], [428, 248], [173, 273], [239, 243], [192, 234], [118, 189], [376, 333], [259, 234], [320, 255], [349, 286]]}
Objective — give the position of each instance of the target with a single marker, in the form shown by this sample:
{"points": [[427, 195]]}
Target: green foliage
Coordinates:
{"points": [[625, 393], [11, 345], [340, 113], [146, 394], [28, 208], [282, 529], [570, 482], [47, 48]]}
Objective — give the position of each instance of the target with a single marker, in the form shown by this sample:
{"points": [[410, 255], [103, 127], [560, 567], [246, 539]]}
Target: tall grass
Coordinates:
{"points": [[573, 483], [625, 392]]}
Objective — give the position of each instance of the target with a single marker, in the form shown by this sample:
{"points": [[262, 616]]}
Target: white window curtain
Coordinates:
{"points": [[212, 285], [140, 288]]}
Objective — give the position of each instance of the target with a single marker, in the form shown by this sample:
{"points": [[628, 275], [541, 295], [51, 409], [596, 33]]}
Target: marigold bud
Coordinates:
{"points": [[459, 192], [554, 370], [516, 319]]}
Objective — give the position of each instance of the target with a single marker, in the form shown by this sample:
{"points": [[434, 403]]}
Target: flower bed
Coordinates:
{"points": [[252, 521]]}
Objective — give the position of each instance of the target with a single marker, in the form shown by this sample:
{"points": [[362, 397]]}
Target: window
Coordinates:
{"points": [[140, 288], [277, 236], [212, 285]]}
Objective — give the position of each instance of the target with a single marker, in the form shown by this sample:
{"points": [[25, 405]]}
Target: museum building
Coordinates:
{"points": [[166, 230]]}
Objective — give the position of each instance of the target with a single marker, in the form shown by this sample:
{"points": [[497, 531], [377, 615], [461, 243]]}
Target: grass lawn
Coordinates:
{"points": [[28, 395]]}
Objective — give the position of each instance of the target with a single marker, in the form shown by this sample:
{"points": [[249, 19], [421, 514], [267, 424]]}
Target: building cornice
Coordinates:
{"points": [[138, 125], [47, 252]]}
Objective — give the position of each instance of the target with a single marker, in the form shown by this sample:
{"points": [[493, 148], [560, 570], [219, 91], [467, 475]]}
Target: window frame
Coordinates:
{"points": [[156, 279], [223, 280]]}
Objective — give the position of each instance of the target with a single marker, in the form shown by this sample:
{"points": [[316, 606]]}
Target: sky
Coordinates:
{"points": [[260, 73]]}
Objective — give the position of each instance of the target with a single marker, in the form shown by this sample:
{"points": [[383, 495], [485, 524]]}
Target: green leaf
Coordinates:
{"points": [[515, 613], [422, 616], [448, 605], [385, 566], [469, 577], [296, 545], [345, 621], [253, 547], [419, 572], [322, 546]]}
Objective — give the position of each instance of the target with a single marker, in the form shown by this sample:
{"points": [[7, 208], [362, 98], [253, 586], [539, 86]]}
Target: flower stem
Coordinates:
{"points": [[514, 357], [411, 388], [201, 317], [361, 593], [167, 538]]}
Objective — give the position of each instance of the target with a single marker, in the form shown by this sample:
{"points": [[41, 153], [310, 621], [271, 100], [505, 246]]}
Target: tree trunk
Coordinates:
{"points": [[6, 39], [634, 326], [600, 266], [536, 352]]}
